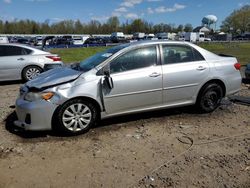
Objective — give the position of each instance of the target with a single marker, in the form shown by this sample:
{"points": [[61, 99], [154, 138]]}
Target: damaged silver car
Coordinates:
{"points": [[126, 79]]}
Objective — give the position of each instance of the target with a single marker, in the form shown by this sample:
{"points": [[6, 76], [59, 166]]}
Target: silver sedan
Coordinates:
{"points": [[126, 79], [24, 62]]}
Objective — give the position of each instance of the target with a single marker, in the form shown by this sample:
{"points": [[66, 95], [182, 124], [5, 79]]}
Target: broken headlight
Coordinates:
{"points": [[34, 96]]}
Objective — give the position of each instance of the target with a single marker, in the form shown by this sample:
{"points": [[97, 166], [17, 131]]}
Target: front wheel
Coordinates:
{"points": [[77, 116], [209, 98]]}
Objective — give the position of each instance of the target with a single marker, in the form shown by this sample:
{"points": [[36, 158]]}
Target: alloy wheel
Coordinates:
{"points": [[32, 73], [76, 117]]}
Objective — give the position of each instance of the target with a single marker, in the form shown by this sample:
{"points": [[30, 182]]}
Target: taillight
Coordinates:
{"points": [[54, 58], [237, 66]]}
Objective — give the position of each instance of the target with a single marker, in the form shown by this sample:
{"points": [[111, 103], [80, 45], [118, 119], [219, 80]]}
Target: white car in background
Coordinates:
{"points": [[78, 40], [21, 62], [4, 40], [39, 40]]}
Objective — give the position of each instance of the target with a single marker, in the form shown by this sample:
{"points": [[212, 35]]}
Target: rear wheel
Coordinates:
{"points": [[31, 72], [77, 116], [209, 98]]}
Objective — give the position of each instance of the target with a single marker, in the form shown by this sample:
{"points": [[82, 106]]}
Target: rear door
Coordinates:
{"points": [[137, 78], [184, 69], [12, 61]]}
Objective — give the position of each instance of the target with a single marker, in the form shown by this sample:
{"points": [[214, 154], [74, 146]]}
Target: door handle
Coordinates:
{"points": [[20, 59], [200, 68], [154, 74]]}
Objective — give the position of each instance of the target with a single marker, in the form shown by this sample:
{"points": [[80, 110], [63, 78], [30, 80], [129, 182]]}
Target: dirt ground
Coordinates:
{"points": [[170, 148]]}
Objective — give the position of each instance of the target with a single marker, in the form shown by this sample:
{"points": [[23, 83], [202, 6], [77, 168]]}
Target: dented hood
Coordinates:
{"points": [[54, 77]]}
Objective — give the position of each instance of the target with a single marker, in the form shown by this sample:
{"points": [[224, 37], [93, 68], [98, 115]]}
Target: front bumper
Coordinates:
{"points": [[35, 116]]}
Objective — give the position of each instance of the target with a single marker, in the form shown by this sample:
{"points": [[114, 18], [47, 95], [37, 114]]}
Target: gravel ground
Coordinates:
{"points": [[170, 148]]}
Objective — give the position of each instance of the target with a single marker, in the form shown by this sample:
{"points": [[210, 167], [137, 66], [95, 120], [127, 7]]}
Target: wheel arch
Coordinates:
{"points": [[93, 101], [216, 81], [30, 65]]}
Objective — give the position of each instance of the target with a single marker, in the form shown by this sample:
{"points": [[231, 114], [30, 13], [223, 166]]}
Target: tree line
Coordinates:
{"points": [[93, 27], [237, 22]]}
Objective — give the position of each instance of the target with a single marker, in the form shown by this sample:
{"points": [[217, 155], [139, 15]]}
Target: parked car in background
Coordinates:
{"points": [[162, 36], [138, 36], [150, 36], [32, 41], [38, 41], [247, 71], [4, 40], [12, 39], [23, 62], [95, 40], [202, 38], [180, 36], [126, 79], [78, 40], [242, 37], [47, 41], [42, 41], [118, 37], [107, 40], [22, 40], [64, 40], [222, 37]]}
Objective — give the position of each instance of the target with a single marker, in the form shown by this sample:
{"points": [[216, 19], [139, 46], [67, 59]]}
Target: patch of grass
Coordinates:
{"points": [[240, 50], [70, 55]]}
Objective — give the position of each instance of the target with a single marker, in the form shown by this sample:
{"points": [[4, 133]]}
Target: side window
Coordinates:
{"points": [[135, 59], [177, 54], [198, 56], [26, 51], [15, 50]]}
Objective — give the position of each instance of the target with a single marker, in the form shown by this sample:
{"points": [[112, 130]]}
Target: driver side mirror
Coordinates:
{"points": [[108, 80]]}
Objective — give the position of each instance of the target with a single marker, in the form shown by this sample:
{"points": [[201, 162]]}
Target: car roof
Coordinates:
{"points": [[207, 54], [130, 46], [148, 42]]}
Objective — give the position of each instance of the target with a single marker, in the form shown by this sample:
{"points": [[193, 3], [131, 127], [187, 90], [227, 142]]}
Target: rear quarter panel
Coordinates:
{"points": [[223, 69], [31, 60]]}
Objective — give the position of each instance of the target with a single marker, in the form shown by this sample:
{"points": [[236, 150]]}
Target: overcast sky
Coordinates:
{"points": [[155, 11]]}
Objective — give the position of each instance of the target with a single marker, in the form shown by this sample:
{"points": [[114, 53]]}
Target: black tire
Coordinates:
{"points": [[209, 98], [30, 72], [76, 122]]}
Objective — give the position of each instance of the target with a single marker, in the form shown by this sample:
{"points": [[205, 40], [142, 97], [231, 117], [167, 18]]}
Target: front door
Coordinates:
{"points": [[137, 80]]}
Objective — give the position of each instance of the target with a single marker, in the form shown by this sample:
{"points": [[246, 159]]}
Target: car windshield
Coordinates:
{"points": [[98, 58]]}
